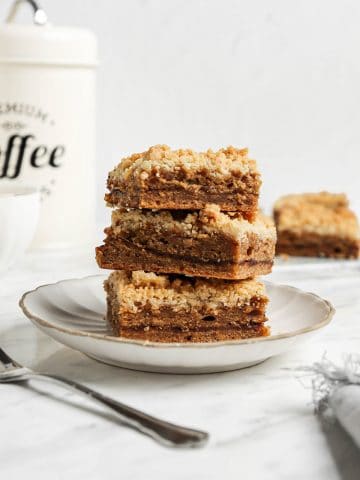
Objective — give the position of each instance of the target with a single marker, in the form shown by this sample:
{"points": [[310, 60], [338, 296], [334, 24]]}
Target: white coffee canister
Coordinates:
{"points": [[47, 125]]}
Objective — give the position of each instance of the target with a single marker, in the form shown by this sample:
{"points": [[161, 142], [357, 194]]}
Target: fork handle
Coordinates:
{"points": [[163, 432]]}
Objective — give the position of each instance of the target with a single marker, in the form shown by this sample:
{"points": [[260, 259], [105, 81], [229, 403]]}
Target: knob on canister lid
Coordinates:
{"points": [[43, 43]]}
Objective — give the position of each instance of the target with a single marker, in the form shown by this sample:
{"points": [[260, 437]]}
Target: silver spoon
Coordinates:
{"points": [[163, 432]]}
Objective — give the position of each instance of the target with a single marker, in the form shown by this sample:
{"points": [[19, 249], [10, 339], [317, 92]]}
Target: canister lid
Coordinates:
{"points": [[46, 44]]}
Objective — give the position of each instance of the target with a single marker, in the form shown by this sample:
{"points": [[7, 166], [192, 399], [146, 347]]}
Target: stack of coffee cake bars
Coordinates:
{"points": [[186, 244]]}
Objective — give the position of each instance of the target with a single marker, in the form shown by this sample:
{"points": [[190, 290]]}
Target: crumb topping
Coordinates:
{"points": [[322, 213], [193, 224], [138, 289], [330, 200], [160, 158]]}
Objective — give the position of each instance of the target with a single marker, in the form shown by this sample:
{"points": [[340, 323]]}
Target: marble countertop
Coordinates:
{"points": [[260, 419]]}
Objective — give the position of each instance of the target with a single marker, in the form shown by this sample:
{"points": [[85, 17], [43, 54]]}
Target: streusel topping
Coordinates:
{"points": [[330, 200], [193, 223], [158, 158], [323, 214], [136, 289]]}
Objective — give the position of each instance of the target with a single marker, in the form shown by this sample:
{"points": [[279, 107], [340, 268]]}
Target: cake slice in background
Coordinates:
{"points": [[205, 243], [173, 308], [316, 225], [183, 179]]}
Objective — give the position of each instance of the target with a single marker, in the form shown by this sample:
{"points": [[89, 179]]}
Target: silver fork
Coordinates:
{"points": [[163, 432]]}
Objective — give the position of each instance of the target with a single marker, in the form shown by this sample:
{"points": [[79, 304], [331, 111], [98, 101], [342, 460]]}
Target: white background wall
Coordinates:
{"points": [[281, 77]]}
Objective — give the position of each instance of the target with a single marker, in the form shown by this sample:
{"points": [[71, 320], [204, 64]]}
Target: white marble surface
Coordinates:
{"points": [[261, 419]]}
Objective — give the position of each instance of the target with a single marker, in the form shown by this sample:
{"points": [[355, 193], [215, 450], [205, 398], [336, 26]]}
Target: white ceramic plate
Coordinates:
{"points": [[72, 312]]}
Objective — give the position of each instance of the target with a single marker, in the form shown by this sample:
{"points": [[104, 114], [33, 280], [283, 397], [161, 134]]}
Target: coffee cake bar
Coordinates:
{"points": [[316, 225], [161, 178], [172, 308], [205, 243]]}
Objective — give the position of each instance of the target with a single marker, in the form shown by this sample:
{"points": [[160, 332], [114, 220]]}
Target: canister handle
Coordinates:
{"points": [[39, 16]]}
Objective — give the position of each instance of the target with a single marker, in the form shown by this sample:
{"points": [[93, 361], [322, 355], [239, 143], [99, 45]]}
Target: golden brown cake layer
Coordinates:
{"points": [[316, 225], [206, 243], [116, 254], [314, 245], [161, 178], [169, 308]]}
